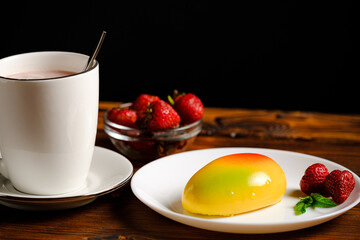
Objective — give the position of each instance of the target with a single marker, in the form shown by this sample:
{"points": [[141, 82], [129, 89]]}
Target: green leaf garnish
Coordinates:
{"points": [[313, 200], [321, 201], [300, 208], [304, 203]]}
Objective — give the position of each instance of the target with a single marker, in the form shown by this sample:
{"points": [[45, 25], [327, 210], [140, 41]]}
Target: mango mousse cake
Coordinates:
{"points": [[234, 184]]}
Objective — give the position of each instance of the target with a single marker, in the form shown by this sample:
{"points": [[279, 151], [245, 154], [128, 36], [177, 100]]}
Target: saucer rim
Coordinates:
{"points": [[52, 199], [64, 199]]}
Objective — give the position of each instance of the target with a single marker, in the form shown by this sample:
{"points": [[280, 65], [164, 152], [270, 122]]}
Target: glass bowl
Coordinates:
{"points": [[146, 145]]}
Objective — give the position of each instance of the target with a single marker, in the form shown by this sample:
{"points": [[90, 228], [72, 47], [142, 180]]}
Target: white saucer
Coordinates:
{"points": [[109, 171], [160, 184]]}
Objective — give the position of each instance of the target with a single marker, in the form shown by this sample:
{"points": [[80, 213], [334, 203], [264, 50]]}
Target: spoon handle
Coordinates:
{"points": [[91, 60]]}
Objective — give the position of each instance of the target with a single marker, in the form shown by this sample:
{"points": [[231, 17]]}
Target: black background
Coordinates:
{"points": [[290, 55]]}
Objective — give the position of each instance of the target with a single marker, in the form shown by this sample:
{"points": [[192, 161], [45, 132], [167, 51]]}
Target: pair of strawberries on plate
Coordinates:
{"points": [[337, 184]]}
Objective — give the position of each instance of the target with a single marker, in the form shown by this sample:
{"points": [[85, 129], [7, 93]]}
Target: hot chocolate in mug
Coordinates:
{"points": [[48, 121]]}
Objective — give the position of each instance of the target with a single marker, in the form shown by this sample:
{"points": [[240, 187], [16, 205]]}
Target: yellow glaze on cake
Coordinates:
{"points": [[235, 184]]}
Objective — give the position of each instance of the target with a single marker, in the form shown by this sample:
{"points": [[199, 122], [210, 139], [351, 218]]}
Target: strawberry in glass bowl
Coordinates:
{"points": [[150, 128]]}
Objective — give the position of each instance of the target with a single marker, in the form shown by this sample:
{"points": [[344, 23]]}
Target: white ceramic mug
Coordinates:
{"points": [[48, 126]]}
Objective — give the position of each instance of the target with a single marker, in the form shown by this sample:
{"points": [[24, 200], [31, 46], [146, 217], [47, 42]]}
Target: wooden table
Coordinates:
{"points": [[120, 215]]}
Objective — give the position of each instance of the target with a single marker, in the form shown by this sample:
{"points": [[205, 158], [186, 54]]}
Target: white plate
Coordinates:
{"points": [[160, 184], [108, 172]]}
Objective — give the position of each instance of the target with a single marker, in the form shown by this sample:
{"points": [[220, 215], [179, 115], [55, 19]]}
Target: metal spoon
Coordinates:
{"points": [[90, 62]]}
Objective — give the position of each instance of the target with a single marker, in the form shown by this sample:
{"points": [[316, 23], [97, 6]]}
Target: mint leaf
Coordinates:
{"points": [[304, 203], [300, 208], [314, 200], [321, 201], [308, 201]]}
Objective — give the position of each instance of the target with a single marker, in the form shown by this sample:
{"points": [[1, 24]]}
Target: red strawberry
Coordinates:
{"points": [[178, 97], [190, 108], [140, 105], [125, 117], [141, 102], [162, 116], [112, 114], [313, 180], [339, 184]]}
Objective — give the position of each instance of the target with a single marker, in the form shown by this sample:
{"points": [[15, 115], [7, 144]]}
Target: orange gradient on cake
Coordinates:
{"points": [[235, 184]]}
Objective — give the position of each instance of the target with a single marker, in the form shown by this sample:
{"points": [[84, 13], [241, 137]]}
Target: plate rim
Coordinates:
{"points": [[167, 212]]}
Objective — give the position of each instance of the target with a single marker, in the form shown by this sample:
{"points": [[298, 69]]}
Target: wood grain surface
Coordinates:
{"points": [[120, 215]]}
